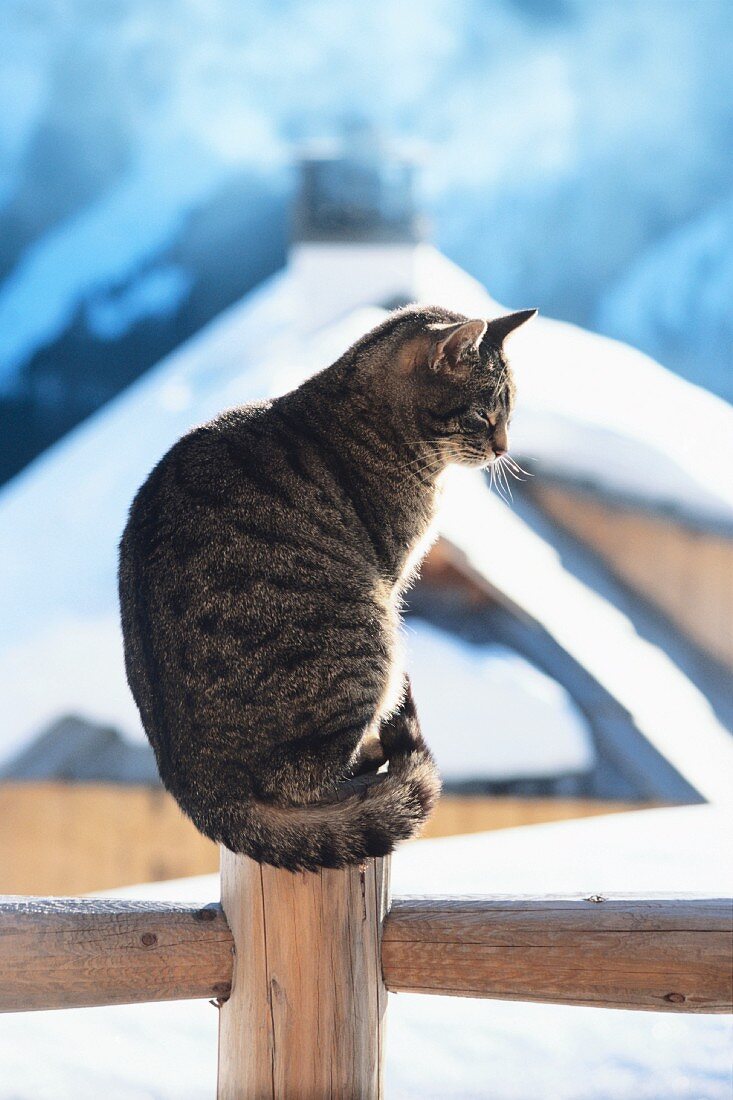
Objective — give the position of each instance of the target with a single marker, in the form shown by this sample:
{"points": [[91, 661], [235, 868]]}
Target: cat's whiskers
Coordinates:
{"points": [[516, 467], [422, 463], [423, 457], [416, 461], [433, 471], [431, 465], [528, 458], [434, 463], [494, 483], [501, 473], [511, 467], [420, 442], [497, 482], [510, 471]]}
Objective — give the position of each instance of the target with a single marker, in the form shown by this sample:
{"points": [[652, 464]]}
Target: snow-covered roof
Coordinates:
{"points": [[531, 577], [60, 646], [74, 750], [60, 521], [486, 711], [599, 412], [437, 1046]]}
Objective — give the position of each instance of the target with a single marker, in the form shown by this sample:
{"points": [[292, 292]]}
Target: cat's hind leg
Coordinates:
{"points": [[369, 756], [400, 732]]}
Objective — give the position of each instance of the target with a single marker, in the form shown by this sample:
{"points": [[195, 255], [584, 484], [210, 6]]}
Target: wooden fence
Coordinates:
{"points": [[300, 965]]}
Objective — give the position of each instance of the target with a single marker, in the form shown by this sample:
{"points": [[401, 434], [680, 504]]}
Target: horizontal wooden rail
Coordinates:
{"points": [[663, 954], [75, 953]]}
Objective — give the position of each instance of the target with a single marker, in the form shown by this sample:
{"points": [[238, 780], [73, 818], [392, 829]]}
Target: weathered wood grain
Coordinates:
{"points": [[306, 1015], [308, 962], [663, 954], [75, 953]]}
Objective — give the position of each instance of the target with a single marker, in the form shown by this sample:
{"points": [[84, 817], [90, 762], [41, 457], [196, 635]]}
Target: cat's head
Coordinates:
{"points": [[460, 385]]}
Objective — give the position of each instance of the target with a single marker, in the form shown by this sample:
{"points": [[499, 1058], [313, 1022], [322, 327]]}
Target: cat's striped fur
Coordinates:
{"points": [[260, 576]]}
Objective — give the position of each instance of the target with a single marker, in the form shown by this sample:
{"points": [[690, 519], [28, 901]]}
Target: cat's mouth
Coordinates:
{"points": [[475, 460]]}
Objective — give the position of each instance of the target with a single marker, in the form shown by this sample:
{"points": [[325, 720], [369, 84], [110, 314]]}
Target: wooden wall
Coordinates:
{"points": [[58, 838], [686, 573]]}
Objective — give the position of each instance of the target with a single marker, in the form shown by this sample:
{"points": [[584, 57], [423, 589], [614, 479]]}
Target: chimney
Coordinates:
{"points": [[356, 232]]}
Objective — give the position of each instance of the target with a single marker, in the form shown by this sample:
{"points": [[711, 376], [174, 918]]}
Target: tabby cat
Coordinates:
{"points": [[260, 577]]}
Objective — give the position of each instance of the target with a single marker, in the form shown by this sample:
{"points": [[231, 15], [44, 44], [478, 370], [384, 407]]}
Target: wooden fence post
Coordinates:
{"points": [[306, 1016]]}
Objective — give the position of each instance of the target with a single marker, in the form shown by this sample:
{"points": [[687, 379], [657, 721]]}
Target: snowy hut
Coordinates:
{"points": [[557, 690]]}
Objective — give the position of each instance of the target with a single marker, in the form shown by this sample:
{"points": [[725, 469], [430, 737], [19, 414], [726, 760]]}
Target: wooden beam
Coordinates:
{"points": [[309, 944], [668, 954], [75, 953], [306, 1015]]}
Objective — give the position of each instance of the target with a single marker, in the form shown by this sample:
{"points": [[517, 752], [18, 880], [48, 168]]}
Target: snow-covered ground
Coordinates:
{"points": [[60, 521], [438, 1048]]}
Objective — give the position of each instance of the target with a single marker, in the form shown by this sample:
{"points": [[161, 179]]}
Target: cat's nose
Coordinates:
{"points": [[500, 440]]}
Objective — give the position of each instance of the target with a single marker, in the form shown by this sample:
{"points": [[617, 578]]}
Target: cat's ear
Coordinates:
{"points": [[498, 329], [448, 353]]}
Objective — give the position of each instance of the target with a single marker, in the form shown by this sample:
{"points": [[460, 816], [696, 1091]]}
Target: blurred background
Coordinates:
{"points": [[575, 154], [201, 204]]}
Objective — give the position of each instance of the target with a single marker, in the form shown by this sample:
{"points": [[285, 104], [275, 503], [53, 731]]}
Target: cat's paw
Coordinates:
{"points": [[370, 755]]}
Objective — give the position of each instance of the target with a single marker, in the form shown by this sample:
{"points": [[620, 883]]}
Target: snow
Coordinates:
{"points": [[485, 711], [438, 1047], [602, 413], [334, 279], [63, 591]]}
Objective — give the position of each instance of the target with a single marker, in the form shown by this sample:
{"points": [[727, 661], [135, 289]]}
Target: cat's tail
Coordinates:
{"points": [[335, 834]]}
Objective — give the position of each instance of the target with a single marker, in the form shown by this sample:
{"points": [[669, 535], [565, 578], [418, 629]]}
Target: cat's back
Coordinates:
{"points": [[238, 499], [201, 472]]}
